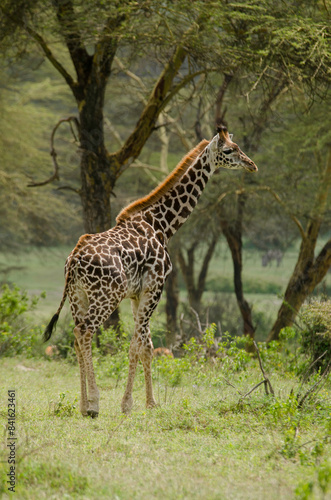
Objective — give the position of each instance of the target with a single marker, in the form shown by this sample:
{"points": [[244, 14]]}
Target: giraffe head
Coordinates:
{"points": [[227, 154]]}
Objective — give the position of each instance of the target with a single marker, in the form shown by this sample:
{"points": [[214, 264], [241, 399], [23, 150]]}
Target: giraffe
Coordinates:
{"points": [[131, 260]]}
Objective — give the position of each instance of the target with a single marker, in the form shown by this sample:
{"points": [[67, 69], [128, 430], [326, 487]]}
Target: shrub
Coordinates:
{"points": [[63, 407], [64, 338], [17, 336], [316, 335]]}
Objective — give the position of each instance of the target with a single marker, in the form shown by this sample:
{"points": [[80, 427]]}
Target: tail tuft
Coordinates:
{"points": [[49, 329]]}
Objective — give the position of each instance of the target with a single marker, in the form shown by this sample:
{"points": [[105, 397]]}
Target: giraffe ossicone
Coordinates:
{"points": [[131, 260]]}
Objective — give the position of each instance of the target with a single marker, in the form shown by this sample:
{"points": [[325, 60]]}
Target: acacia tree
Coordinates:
{"points": [[282, 67], [93, 33], [311, 216], [183, 38]]}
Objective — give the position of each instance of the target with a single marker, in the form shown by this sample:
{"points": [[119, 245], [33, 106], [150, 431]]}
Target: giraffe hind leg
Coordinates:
{"points": [[90, 403], [79, 308], [141, 347], [97, 313], [83, 390]]}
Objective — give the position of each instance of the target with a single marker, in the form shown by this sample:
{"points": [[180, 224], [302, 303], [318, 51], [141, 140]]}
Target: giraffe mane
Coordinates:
{"points": [[164, 186]]}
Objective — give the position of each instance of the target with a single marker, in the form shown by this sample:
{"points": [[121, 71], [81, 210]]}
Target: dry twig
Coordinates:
{"points": [[266, 380]]}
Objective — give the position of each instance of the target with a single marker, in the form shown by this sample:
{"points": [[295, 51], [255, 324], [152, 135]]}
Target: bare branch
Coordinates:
{"points": [[68, 188], [268, 189], [188, 78], [249, 392], [231, 385], [314, 387], [266, 379], [56, 173], [308, 371], [198, 320]]}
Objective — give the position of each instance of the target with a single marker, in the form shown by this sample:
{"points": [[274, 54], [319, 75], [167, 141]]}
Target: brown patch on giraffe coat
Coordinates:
{"points": [[165, 186]]}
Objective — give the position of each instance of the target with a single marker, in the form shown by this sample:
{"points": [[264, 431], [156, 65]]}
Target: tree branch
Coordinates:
{"points": [[52, 59], [155, 104], [56, 174], [68, 188], [266, 379], [159, 98], [283, 204], [205, 264], [67, 19]]}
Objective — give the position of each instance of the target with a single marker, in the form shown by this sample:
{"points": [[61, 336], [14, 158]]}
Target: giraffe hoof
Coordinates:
{"points": [[92, 413], [127, 403]]}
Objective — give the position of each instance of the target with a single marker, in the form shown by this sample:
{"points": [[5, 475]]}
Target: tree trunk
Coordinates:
{"points": [[309, 271], [195, 291], [95, 167], [233, 235], [306, 276]]}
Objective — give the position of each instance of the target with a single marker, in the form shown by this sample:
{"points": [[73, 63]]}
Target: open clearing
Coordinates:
{"points": [[201, 442]]}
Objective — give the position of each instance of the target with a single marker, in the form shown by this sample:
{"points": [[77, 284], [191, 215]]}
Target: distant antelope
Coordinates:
{"points": [[162, 351]]}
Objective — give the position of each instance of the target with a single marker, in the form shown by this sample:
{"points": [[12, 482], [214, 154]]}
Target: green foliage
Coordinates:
{"points": [[34, 216], [16, 334], [256, 440], [112, 357], [63, 407], [316, 335], [306, 489], [232, 352], [285, 354], [172, 370], [64, 339]]}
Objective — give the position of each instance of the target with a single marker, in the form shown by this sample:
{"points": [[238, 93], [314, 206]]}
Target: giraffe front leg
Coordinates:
{"points": [[127, 400], [85, 345], [146, 357]]}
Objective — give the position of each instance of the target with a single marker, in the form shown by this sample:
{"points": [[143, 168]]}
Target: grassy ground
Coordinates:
{"points": [[203, 441]]}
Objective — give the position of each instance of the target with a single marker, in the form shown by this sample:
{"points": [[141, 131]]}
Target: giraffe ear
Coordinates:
{"points": [[230, 135]]}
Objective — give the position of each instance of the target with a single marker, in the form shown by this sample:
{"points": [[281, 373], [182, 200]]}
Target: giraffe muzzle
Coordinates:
{"points": [[250, 166]]}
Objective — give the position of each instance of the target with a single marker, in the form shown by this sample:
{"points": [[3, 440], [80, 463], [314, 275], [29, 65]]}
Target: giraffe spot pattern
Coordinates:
{"points": [[131, 261]]}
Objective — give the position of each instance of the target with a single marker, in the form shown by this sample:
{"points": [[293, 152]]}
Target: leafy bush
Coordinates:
{"points": [[17, 336], [172, 369], [63, 407], [316, 335], [233, 353], [112, 357], [64, 339]]}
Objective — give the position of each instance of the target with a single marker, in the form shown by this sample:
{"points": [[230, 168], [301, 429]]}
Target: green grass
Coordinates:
{"points": [[201, 442]]}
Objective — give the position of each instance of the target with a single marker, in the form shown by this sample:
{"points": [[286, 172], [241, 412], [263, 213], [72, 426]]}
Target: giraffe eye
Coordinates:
{"points": [[227, 151]]}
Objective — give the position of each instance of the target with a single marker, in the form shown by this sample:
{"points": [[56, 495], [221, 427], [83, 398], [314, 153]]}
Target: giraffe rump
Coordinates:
{"points": [[165, 186]]}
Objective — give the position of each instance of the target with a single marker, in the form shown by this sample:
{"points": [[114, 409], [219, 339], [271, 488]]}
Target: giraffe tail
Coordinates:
{"points": [[49, 328], [52, 324]]}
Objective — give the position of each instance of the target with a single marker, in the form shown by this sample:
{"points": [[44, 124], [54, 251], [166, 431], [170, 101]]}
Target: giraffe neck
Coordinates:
{"points": [[170, 212]]}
